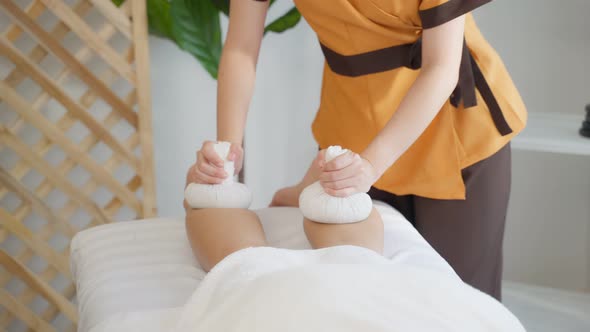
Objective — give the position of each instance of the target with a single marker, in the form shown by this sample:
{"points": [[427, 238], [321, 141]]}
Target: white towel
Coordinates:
{"points": [[342, 289]]}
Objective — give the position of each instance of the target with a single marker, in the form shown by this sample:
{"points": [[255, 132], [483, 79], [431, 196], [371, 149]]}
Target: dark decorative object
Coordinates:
{"points": [[585, 130]]}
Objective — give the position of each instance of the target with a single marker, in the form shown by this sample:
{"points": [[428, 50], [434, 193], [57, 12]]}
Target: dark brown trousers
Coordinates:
{"points": [[467, 233]]}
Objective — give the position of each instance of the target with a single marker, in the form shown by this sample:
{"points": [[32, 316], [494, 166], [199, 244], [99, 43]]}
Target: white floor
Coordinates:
{"points": [[543, 309]]}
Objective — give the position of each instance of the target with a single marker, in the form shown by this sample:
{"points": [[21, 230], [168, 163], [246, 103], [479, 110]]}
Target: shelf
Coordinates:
{"points": [[553, 132]]}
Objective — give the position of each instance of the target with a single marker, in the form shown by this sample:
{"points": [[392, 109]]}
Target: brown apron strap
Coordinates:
{"points": [[488, 97], [465, 89], [371, 62], [410, 56]]}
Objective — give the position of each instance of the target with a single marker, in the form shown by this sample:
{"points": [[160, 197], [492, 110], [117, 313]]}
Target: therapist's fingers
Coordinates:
{"points": [[195, 176], [320, 159], [342, 161], [344, 192], [236, 154], [208, 154], [212, 171], [354, 168], [205, 172], [206, 179], [352, 181]]}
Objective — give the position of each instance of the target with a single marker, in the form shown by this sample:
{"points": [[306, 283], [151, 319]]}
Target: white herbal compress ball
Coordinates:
{"points": [[318, 206], [229, 194]]}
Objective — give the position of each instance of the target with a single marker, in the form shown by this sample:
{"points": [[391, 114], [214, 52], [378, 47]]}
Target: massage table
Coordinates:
{"points": [[147, 265]]}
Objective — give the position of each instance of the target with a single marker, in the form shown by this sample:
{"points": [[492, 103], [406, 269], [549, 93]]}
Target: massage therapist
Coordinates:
{"points": [[424, 103]]}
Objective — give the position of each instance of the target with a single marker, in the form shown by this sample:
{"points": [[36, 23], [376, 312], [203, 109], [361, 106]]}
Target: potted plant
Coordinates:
{"points": [[194, 25]]}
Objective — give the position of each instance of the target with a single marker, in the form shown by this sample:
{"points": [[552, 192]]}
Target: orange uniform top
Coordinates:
{"points": [[360, 90]]}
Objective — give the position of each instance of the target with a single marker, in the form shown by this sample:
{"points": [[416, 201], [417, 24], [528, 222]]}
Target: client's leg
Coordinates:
{"points": [[367, 233], [216, 233]]}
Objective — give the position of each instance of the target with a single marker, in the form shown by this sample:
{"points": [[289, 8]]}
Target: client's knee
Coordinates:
{"points": [[216, 233]]}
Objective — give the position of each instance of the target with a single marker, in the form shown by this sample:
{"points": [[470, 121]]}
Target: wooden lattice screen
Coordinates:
{"points": [[75, 144]]}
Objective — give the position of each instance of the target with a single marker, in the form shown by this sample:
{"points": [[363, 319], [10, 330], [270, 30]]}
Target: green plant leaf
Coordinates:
{"points": [[158, 12], [118, 2], [285, 22], [221, 5], [196, 29]]}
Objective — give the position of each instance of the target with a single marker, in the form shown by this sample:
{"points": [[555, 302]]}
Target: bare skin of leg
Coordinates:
{"points": [[367, 233], [216, 233]]}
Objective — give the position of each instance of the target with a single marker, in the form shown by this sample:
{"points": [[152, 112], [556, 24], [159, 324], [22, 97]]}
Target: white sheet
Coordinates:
{"points": [[142, 266], [345, 289]]}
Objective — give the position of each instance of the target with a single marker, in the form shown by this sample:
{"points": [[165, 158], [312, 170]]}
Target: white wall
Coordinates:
{"points": [[545, 45], [183, 103], [548, 228]]}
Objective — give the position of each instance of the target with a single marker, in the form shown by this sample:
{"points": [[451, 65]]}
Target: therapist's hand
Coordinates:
{"points": [[208, 168], [346, 174]]}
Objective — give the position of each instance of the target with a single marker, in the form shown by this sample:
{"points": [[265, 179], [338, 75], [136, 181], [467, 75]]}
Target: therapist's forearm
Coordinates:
{"points": [[237, 73], [423, 101]]}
